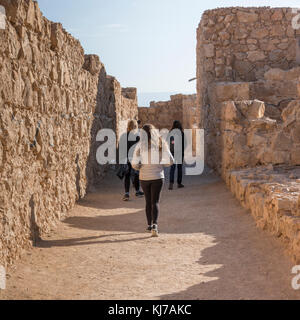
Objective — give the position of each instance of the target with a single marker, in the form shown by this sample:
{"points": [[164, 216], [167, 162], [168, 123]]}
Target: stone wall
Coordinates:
{"points": [[258, 156], [272, 195], [114, 105], [53, 100], [245, 137], [162, 114], [241, 44], [248, 92]]}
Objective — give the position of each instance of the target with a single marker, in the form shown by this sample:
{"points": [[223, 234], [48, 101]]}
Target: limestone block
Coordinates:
{"points": [[28, 94], [256, 110], [209, 50], [230, 91], [39, 17], [281, 142], [277, 15], [56, 36], [229, 111], [229, 18], [277, 74], [259, 33], [241, 33], [291, 111], [224, 35], [255, 139], [295, 157], [277, 30], [92, 64], [247, 17], [209, 64], [30, 17], [274, 92], [244, 68], [280, 157], [256, 56], [277, 55]]}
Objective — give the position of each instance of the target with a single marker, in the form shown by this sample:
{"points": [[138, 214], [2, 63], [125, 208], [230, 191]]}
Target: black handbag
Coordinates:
{"points": [[122, 171]]}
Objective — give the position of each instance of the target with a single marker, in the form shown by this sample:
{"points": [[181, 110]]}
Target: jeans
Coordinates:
{"points": [[135, 180], [152, 190], [179, 174]]}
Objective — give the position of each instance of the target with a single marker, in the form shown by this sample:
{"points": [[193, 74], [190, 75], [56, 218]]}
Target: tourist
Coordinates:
{"points": [[152, 173], [178, 162], [131, 174]]}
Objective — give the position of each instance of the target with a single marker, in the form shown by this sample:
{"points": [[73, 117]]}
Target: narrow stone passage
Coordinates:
{"points": [[209, 248]]}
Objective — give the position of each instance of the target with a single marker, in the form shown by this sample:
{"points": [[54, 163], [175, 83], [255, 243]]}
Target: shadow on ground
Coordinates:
{"points": [[239, 262]]}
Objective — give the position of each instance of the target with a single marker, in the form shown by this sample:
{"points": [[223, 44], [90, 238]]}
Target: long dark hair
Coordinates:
{"points": [[177, 125], [148, 128], [153, 137]]}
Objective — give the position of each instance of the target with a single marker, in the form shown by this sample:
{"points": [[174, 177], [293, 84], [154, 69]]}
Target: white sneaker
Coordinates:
{"points": [[154, 231]]}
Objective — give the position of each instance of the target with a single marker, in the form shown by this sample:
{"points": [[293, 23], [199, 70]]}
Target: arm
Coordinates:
{"points": [[136, 163], [168, 158]]}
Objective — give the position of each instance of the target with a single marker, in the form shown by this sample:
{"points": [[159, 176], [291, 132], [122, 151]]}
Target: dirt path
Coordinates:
{"points": [[209, 248]]}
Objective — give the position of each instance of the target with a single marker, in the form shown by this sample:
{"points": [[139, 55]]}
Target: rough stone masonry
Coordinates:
{"points": [[248, 93], [53, 101], [162, 114]]}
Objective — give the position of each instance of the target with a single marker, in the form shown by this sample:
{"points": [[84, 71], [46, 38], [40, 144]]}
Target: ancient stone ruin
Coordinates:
{"points": [[162, 114], [249, 96], [53, 101]]}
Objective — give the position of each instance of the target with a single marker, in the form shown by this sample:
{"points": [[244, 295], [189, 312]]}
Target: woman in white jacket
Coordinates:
{"points": [[151, 156]]}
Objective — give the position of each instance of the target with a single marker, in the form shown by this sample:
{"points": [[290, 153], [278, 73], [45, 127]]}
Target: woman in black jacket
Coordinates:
{"points": [[177, 125]]}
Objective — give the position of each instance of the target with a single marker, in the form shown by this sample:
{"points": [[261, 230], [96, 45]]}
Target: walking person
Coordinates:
{"points": [[131, 174], [178, 162], [152, 174]]}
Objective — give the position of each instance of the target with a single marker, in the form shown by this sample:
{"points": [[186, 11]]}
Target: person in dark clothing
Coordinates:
{"points": [[178, 164], [131, 175]]}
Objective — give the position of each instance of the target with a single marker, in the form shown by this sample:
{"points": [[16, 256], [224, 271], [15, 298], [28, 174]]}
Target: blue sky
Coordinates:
{"points": [[148, 44]]}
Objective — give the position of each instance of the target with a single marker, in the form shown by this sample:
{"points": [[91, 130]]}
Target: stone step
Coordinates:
{"points": [[273, 197]]}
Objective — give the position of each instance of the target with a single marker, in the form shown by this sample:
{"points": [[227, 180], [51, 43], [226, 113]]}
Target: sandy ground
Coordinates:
{"points": [[209, 248]]}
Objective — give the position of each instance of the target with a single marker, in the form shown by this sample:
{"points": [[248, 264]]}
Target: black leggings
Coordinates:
{"points": [[135, 180], [152, 190]]}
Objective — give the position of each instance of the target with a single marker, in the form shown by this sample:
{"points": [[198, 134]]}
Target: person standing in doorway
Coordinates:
{"points": [[152, 173], [179, 162]]}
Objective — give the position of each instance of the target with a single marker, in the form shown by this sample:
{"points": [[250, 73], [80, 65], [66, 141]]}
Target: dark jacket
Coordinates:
{"points": [[130, 144], [172, 144]]}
